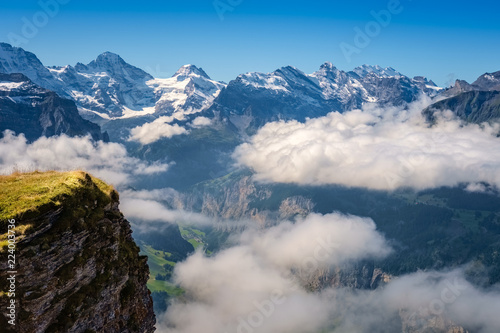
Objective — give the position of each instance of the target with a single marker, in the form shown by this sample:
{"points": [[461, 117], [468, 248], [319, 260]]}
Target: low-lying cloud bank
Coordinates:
{"points": [[148, 206], [148, 209], [225, 292], [108, 161], [260, 285], [381, 149]]}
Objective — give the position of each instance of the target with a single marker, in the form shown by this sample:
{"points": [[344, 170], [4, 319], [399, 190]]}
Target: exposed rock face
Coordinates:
{"points": [[79, 269], [361, 276], [472, 106], [417, 323], [474, 103], [486, 82], [29, 109]]}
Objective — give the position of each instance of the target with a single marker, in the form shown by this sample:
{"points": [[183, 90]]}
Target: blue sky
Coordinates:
{"points": [[442, 40]]}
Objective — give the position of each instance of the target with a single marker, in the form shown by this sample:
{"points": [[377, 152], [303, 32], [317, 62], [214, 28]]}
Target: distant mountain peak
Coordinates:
{"points": [[488, 82], [190, 70], [107, 58], [289, 72], [114, 65], [289, 68], [364, 70], [327, 70], [17, 60], [327, 66]]}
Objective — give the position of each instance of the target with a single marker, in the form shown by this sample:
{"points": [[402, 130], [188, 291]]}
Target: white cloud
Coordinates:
{"points": [[381, 149], [333, 237], [157, 129], [153, 211], [255, 286], [108, 161], [201, 122], [251, 286], [146, 206], [426, 295], [478, 187]]}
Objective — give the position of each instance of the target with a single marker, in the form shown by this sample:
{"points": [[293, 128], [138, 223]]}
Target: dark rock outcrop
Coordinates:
{"points": [[472, 106], [78, 268], [32, 110]]}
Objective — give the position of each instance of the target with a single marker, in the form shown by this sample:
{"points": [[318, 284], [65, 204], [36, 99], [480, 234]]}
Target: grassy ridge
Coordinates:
{"points": [[24, 196], [25, 193]]}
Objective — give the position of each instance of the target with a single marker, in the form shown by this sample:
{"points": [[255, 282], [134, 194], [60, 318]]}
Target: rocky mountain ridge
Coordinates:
{"points": [[478, 102], [27, 108], [253, 99]]}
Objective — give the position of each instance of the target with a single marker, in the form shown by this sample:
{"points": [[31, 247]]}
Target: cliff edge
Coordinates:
{"points": [[77, 266]]}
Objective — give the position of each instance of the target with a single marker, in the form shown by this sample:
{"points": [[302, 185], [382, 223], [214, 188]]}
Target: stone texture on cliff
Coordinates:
{"points": [[79, 269], [36, 112]]}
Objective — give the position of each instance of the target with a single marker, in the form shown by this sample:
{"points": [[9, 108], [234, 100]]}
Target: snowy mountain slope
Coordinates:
{"points": [[109, 88], [189, 90], [253, 99], [364, 70], [17, 60], [488, 82], [179, 99]]}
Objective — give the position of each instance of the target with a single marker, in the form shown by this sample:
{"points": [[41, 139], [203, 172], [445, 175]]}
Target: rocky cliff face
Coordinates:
{"points": [[79, 269], [27, 108]]}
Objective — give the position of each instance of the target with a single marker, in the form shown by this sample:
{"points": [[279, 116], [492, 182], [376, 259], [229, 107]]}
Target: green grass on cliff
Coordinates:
{"points": [[21, 193], [25, 196]]}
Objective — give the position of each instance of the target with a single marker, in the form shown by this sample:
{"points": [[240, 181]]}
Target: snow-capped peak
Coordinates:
{"points": [[328, 66], [364, 70], [115, 66], [108, 57], [190, 70], [289, 71], [17, 60], [327, 70]]}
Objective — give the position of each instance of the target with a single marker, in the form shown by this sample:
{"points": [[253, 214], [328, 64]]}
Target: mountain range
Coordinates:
{"points": [[119, 96], [109, 89]]}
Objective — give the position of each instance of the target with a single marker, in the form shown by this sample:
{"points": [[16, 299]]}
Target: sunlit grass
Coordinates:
{"points": [[24, 192]]}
